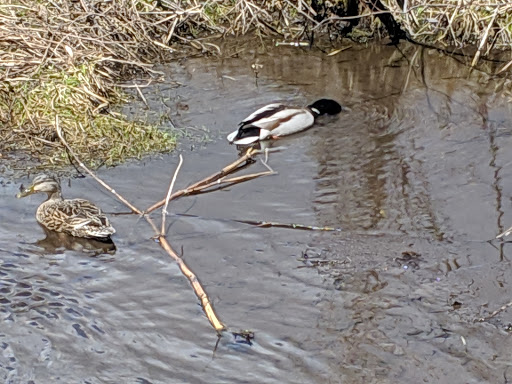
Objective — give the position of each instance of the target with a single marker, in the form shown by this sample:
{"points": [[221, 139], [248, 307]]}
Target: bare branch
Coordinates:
{"points": [[169, 192], [214, 179], [91, 173], [160, 236]]}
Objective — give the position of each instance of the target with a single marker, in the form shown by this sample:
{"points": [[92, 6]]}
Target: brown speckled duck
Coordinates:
{"points": [[76, 217]]}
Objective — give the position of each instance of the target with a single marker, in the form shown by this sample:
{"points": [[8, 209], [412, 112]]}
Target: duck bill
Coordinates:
{"points": [[25, 192]]}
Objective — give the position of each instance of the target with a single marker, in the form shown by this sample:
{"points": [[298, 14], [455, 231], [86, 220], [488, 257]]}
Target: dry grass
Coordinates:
{"points": [[102, 138], [65, 58], [487, 24], [120, 35]]}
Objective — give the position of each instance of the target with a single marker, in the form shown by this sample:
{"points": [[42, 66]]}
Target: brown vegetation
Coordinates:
{"points": [[486, 24], [67, 58]]}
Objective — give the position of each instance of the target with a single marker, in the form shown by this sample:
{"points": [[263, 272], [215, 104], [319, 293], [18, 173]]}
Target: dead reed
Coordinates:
{"points": [[485, 24], [66, 58]]}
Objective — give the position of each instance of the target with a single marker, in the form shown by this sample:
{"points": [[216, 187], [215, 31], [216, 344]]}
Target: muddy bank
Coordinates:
{"points": [[415, 174]]}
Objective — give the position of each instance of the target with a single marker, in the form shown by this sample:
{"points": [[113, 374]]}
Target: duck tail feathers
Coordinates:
{"points": [[231, 137], [246, 140]]}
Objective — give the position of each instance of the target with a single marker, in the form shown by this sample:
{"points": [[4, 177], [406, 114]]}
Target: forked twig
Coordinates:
{"points": [[223, 182], [216, 179], [160, 236]]}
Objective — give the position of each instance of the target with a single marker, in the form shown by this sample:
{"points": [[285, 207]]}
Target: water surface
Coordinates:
{"points": [[415, 172]]}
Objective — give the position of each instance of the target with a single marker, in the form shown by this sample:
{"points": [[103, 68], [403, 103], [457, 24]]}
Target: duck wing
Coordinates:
{"points": [[249, 130], [263, 114], [272, 120], [77, 217]]}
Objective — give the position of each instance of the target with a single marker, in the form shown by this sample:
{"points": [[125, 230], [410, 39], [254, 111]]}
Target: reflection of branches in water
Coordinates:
{"points": [[493, 149], [422, 77], [482, 111], [496, 183], [410, 70], [486, 65]]}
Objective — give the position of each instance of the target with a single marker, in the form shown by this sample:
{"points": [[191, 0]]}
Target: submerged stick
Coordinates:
{"points": [[196, 285], [496, 312], [266, 224], [505, 233], [269, 224]]}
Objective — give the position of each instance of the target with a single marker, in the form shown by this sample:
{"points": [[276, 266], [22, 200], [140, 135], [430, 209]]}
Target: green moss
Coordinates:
{"points": [[215, 12], [97, 136]]}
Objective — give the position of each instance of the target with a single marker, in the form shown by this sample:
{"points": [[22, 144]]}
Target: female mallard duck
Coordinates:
{"points": [[76, 217], [276, 120]]}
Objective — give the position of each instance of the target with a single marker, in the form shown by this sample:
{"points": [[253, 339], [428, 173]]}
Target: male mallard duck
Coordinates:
{"points": [[276, 120], [76, 217]]}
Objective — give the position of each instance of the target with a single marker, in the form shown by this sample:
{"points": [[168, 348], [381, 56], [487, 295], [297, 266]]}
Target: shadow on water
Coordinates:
{"points": [[415, 172]]}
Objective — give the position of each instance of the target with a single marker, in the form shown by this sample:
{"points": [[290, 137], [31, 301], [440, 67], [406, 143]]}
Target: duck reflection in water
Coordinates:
{"points": [[58, 242]]}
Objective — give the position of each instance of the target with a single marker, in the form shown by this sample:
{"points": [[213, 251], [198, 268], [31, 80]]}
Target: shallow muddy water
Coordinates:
{"points": [[416, 173]]}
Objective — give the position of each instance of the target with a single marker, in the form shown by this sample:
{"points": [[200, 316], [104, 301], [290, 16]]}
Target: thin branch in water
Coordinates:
{"points": [[269, 224], [196, 285], [223, 183], [192, 278], [505, 233], [214, 179], [169, 192], [265, 224], [496, 312], [151, 223], [91, 173]]}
